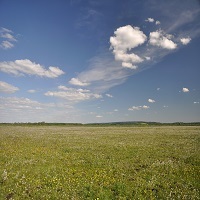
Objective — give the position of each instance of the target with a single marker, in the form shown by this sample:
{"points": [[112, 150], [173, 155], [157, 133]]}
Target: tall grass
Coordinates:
{"points": [[58, 162]]}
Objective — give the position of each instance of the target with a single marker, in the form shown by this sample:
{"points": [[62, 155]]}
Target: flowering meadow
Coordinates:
{"points": [[99, 163]]}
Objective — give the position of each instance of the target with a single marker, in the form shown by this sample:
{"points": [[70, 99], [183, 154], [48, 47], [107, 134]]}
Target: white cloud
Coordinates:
{"points": [[158, 89], [145, 107], [148, 58], [22, 67], [76, 81], [196, 102], [8, 37], [61, 87], [19, 103], [149, 20], [72, 94], [161, 39], [138, 108], [158, 22], [151, 101], [7, 88], [5, 30], [109, 95], [129, 65], [125, 39], [99, 116], [185, 90], [185, 41], [31, 91], [116, 110], [6, 45], [103, 73], [130, 52], [14, 109]]}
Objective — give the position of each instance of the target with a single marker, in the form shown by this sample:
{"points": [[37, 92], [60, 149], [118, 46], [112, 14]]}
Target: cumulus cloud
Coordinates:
{"points": [[151, 101], [8, 38], [161, 39], [131, 49], [149, 20], [125, 39], [129, 65], [185, 41], [158, 22], [7, 88], [144, 107], [185, 90], [196, 102], [76, 81], [72, 94], [22, 67]]}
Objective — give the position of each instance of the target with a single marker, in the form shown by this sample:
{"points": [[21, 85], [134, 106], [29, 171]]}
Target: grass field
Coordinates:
{"points": [[80, 162]]}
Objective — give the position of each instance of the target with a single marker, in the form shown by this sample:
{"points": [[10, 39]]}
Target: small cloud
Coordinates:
{"points": [[7, 88], [31, 91], [149, 20], [6, 45], [185, 90], [8, 37], [148, 58], [129, 65], [158, 89], [109, 95], [138, 108], [99, 116], [158, 22], [76, 81], [196, 102], [5, 30], [151, 101], [22, 67], [161, 39], [185, 41], [165, 106], [61, 87], [116, 110]]}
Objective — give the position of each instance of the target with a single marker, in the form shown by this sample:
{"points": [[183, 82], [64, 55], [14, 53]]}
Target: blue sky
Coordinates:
{"points": [[99, 61]]}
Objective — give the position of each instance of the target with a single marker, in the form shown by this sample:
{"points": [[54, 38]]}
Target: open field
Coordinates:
{"points": [[80, 162]]}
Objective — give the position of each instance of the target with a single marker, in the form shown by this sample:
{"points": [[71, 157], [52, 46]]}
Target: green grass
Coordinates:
{"points": [[58, 162]]}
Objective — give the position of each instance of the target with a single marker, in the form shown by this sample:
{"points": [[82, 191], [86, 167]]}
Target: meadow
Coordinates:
{"points": [[99, 163]]}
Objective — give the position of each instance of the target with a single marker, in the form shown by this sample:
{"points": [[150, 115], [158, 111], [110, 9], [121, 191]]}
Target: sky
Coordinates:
{"points": [[91, 61]]}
